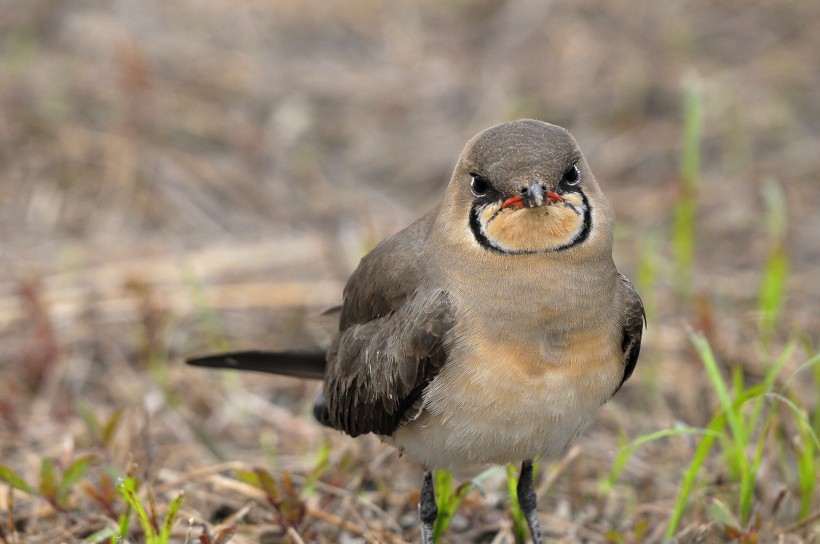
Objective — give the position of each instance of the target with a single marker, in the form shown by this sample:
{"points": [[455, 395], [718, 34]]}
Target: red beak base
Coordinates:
{"points": [[553, 197], [519, 202], [516, 201]]}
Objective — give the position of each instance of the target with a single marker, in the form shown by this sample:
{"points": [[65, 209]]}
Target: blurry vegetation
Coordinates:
{"points": [[683, 234], [776, 269], [183, 178]]}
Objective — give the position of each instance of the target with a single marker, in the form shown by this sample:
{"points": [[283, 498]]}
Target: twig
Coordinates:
{"points": [[802, 524], [196, 473], [295, 536], [559, 468]]}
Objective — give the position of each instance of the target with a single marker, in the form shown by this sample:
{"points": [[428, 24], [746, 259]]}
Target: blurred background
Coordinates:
{"points": [[183, 177]]}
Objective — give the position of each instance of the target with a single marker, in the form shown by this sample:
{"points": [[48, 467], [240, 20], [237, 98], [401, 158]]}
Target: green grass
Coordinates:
{"points": [[155, 530], [647, 275], [63, 484], [776, 268], [744, 429], [754, 421], [61, 490], [520, 527], [808, 467], [449, 498], [101, 432], [626, 451], [683, 230], [56, 486], [283, 496]]}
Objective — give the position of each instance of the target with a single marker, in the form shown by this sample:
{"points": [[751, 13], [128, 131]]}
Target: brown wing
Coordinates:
{"points": [[391, 339], [377, 370], [633, 323]]}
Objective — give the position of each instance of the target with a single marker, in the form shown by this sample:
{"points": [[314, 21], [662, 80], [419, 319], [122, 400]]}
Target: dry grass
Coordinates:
{"points": [[180, 177]]}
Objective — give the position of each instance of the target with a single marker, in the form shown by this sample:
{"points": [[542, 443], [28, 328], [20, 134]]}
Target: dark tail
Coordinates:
{"points": [[299, 364]]}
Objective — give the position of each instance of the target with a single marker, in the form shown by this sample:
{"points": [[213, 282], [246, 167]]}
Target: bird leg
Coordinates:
{"points": [[428, 511], [527, 500]]}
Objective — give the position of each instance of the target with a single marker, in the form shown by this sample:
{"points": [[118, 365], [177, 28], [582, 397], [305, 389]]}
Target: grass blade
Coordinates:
{"points": [[11, 478], [683, 236], [626, 452], [449, 500], [739, 431], [520, 527], [48, 481], [128, 490], [690, 476], [71, 476], [776, 270], [170, 518]]}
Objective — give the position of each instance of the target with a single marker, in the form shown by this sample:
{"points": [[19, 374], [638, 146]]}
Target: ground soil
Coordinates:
{"points": [[181, 177]]}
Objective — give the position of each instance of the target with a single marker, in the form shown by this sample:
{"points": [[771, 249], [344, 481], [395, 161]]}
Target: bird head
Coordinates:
{"points": [[524, 187]]}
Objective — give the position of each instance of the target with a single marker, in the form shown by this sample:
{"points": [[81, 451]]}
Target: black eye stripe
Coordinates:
{"points": [[478, 233]]}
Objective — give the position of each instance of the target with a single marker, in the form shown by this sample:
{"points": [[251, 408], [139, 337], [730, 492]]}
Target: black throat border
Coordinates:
{"points": [[483, 241]]}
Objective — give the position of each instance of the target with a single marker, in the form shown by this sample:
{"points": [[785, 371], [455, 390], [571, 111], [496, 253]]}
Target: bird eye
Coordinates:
{"points": [[572, 176], [479, 185]]}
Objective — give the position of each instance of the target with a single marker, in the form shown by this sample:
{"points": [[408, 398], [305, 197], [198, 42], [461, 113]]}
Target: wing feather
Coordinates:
{"points": [[634, 319], [392, 339]]}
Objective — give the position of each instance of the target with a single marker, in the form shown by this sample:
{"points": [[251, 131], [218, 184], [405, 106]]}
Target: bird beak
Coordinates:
{"points": [[532, 197]]}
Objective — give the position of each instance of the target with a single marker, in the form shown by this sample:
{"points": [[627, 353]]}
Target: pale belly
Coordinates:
{"points": [[516, 404]]}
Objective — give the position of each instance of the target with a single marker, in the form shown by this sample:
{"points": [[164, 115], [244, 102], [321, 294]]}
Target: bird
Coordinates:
{"points": [[490, 330]]}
